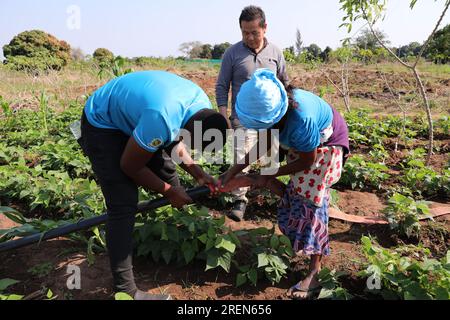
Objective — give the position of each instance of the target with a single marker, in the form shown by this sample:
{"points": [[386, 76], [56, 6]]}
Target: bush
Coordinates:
{"points": [[35, 51], [103, 55]]}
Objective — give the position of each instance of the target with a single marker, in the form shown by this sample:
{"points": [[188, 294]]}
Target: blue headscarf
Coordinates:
{"points": [[262, 101]]}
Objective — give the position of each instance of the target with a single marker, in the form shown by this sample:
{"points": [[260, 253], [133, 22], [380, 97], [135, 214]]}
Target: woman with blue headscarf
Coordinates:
{"points": [[315, 137]]}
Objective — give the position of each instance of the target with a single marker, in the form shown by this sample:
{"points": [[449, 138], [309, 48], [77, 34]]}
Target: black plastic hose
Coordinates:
{"points": [[91, 222]]}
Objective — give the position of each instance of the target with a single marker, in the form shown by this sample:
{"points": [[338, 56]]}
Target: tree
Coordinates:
{"points": [[371, 11], [410, 50], [314, 50], [36, 51], [77, 54], [206, 52], [343, 56], [325, 55], [414, 48], [219, 50], [368, 41], [365, 55], [439, 46], [103, 55], [191, 49], [298, 42]]}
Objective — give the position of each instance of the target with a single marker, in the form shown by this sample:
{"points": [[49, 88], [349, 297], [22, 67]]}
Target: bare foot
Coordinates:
{"points": [[305, 288]]}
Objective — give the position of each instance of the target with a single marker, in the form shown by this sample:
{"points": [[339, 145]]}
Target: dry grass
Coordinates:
{"points": [[367, 88]]}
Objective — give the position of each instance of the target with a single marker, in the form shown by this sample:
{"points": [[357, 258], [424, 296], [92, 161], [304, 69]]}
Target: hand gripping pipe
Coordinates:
{"points": [[94, 221]]}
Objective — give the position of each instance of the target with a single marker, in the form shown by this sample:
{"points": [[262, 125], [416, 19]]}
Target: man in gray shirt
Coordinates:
{"points": [[238, 64]]}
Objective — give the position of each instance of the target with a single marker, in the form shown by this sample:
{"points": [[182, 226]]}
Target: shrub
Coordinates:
{"points": [[36, 51], [103, 55]]}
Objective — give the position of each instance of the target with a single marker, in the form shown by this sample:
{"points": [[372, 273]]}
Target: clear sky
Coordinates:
{"points": [[158, 27]]}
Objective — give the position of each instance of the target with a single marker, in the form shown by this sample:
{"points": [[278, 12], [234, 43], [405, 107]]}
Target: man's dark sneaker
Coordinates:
{"points": [[237, 214], [142, 295]]}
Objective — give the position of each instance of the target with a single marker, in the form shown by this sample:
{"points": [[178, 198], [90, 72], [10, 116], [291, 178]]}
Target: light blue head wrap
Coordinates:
{"points": [[262, 101]]}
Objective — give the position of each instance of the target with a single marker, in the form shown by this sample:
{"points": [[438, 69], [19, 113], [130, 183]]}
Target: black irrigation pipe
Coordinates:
{"points": [[91, 222]]}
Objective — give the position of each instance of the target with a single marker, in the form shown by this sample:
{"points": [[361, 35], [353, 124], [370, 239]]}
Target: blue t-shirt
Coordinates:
{"points": [[151, 106], [304, 124]]}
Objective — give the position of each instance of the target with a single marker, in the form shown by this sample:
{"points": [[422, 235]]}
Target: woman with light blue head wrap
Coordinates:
{"points": [[316, 137], [262, 101]]}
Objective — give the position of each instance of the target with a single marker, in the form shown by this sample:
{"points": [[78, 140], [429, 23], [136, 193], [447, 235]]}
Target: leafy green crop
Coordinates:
{"points": [[360, 174], [405, 277], [183, 235], [403, 213], [331, 288], [268, 255]]}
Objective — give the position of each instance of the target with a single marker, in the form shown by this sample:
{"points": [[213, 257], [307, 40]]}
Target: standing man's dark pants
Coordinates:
{"points": [[104, 147]]}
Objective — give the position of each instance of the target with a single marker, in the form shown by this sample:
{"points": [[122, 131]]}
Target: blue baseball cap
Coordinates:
{"points": [[262, 101]]}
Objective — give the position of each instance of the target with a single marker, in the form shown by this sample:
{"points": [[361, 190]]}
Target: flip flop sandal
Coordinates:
{"points": [[297, 288]]}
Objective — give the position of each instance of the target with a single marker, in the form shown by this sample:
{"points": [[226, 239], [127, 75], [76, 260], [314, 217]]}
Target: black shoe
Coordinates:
{"points": [[142, 295], [237, 214]]}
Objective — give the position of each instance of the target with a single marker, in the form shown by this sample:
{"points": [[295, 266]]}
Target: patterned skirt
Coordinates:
{"points": [[305, 224], [303, 210]]}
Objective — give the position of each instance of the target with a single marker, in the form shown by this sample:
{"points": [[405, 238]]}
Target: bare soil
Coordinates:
{"points": [[192, 282]]}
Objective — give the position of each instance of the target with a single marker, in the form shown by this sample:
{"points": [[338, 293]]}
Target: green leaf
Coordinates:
{"points": [[13, 215], [234, 238], [212, 260], [49, 294], [209, 244], [173, 233], [325, 294], [414, 291], [241, 278], [164, 232], [211, 233], [253, 276], [225, 261], [225, 244], [274, 242], [285, 240], [12, 297], [24, 193], [442, 293], [203, 238], [5, 283], [262, 260], [122, 296], [260, 231], [188, 251]]}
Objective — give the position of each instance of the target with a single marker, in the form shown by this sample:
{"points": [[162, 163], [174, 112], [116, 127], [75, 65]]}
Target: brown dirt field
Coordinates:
{"points": [[192, 282]]}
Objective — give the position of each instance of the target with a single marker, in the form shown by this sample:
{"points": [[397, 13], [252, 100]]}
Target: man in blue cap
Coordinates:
{"points": [[238, 64], [316, 138], [130, 128]]}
